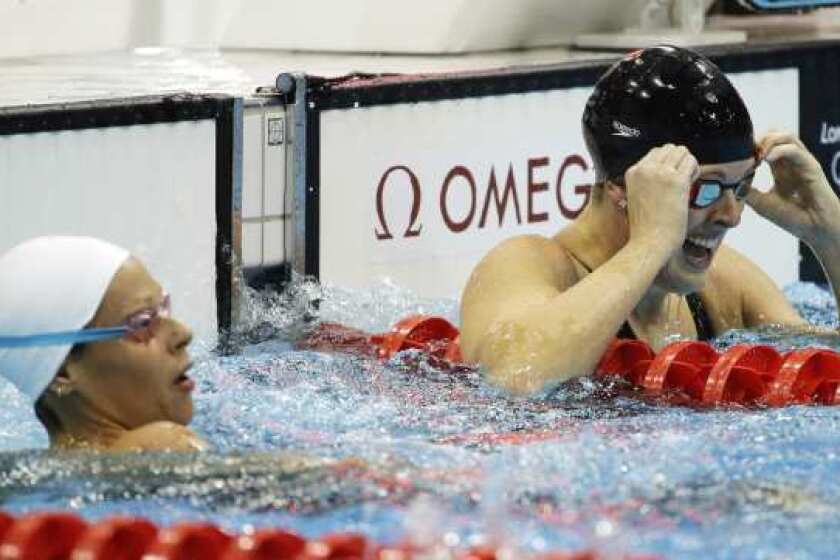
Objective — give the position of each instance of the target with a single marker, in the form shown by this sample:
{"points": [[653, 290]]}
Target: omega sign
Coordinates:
{"points": [[494, 197]]}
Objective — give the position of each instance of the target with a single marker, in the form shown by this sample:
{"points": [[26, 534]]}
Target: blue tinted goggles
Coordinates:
{"points": [[705, 192]]}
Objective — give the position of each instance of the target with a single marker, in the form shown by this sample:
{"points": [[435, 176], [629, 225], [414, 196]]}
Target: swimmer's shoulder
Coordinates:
{"points": [[520, 272], [529, 257], [159, 436], [739, 294], [722, 293], [732, 273]]}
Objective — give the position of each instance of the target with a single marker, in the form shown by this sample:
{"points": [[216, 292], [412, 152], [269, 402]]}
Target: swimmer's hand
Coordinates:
{"points": [[658, 188], [160, 436], [801, 200]]}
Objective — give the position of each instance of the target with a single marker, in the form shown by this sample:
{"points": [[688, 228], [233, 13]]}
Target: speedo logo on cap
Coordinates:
{"points": [[621, 129]]}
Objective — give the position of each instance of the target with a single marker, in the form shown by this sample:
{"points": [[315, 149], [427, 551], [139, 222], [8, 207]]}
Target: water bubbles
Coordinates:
{"points": [[452, 539], [424, 522], [320, 442], [604, 529]]}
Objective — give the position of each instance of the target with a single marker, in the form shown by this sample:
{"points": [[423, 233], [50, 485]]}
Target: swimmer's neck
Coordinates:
{"points": [[75, 424], [654, 303], [81, 426], [596, 236]]}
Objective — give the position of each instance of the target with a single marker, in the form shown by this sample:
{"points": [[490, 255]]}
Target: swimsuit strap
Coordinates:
{"points": [[702, 322], [626, 332]]}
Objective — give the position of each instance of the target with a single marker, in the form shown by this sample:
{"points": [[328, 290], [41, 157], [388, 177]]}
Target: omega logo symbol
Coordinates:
{"points": [[416, 195]]}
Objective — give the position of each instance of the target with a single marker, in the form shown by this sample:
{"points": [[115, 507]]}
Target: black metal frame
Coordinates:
{"points": [[816, 61], [313, 198], [154, 110]]}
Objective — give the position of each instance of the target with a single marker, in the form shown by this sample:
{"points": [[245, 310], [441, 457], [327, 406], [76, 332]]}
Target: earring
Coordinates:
{"points": [[622, 204], [61, 391]]}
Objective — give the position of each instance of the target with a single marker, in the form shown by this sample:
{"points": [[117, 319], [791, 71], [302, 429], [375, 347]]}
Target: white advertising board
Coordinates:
{"points": [[149, 188], [419, 192]]}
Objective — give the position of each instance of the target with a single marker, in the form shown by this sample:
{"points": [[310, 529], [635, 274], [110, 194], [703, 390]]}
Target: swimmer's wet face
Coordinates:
{"points": [[142, 377], [685, 272]]}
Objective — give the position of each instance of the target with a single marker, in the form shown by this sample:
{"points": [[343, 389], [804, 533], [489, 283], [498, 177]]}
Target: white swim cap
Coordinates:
{"points": [[50, 284]]}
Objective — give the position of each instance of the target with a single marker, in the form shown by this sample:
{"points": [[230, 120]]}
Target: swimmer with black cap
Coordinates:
{"points": [[673, 147]]}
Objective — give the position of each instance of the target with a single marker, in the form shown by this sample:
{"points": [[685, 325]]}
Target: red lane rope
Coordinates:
{"points": [[66, 536], [746, 374], [684, 372], [6, 523], [267, 544], [42, 535], [116, 538], [432, 335]]}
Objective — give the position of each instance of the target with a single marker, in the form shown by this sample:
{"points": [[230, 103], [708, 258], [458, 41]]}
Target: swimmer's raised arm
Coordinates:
{"points": [[802, 203], [527, 319]]}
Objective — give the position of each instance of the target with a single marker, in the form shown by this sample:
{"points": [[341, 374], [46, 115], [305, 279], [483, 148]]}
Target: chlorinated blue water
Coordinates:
{"points": [[324, 442]]}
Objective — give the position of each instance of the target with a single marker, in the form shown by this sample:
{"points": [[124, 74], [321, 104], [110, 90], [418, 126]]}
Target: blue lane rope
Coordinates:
{"points": [[61, 338]]}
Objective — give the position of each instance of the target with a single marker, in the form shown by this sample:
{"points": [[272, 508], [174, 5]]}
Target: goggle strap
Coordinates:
{"points": [[61, 338]]}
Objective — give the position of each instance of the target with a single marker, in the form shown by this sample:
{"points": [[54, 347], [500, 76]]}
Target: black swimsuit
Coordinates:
{"points": [[698, 312]]}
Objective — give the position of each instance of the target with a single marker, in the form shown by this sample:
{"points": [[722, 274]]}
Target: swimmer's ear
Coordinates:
{"points": [[64, 381], [62, 384]]}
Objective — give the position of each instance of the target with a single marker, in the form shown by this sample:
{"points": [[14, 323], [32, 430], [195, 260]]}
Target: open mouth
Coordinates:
{"points": [[698, 250], [184, 382]]}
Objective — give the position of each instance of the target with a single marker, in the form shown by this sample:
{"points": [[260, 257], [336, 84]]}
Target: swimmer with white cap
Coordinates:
{"points": [[85, 334], [674, 153]]}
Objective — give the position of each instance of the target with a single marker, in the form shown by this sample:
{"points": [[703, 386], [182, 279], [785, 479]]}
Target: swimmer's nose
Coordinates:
{"points": [[727, 211], [179, 337]]}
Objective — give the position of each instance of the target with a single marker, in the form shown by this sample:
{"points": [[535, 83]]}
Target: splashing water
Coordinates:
{"points": [[322, 442]]}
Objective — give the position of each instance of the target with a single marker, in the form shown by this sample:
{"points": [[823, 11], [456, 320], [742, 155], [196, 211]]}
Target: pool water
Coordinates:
{"points": [[322, 442]]}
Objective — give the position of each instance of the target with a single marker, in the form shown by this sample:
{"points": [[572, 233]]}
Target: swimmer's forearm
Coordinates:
{"points": [[567, 336]]}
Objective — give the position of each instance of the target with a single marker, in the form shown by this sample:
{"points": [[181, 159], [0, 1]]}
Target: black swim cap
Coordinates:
{"points": [[663, 95]]}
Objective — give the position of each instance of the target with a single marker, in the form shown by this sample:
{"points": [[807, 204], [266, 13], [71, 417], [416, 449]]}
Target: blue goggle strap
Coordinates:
{"points": [[61, 338]]}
